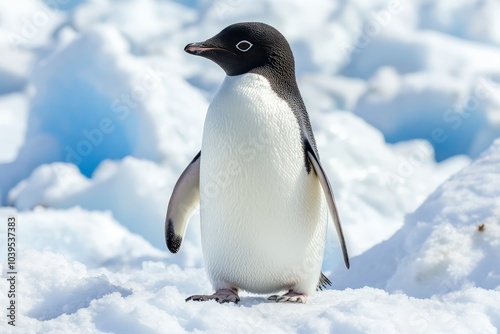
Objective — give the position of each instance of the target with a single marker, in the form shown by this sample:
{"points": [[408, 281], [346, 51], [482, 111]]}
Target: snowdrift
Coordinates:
{"points": [[100, 111]]}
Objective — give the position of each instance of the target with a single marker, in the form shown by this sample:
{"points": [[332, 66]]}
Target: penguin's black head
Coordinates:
{"points": [[243, 47]]}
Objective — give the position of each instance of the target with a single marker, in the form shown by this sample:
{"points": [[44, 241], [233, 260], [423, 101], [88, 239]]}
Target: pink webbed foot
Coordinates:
{"points": [[289, 297], [221, 296]]}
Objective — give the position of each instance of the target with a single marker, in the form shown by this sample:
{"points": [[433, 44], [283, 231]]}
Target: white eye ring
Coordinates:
{"points": [[244, 50]]}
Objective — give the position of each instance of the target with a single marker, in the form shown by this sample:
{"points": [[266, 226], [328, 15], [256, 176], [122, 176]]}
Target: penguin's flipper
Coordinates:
{"points": [[184, 201], [327, 189]]}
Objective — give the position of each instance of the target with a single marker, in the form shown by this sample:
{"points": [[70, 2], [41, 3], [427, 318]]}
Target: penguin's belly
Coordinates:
{"points": [[263, 217]]}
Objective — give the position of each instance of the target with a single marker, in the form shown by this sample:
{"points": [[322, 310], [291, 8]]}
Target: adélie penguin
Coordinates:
{"points": [[263, 194]]}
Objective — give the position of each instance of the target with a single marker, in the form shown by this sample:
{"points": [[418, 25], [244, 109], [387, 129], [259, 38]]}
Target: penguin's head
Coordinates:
{"points": [[243, 47]]}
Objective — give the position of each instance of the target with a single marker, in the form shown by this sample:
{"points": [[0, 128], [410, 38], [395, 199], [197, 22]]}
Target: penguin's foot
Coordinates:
{"points": [[221, 296], [289, 297]]}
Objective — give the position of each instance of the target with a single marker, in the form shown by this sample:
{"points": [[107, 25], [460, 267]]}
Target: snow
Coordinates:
{"points": [[451, 242], [101, 110], [13, 115], [421, 97], [148, 185], [66, 295]]}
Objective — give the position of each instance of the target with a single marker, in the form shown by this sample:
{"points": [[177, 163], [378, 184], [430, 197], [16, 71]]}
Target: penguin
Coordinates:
{"points": [[263, 194]]}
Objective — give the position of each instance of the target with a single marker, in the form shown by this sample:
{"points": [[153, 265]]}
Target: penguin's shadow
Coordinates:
{"points": [[250, 301]]}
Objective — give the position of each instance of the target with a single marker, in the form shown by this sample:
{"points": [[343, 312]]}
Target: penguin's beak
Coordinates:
{"points": [[199, 48], [195, 48]]}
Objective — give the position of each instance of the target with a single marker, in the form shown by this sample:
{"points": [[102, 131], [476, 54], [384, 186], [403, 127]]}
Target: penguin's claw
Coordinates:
{"points": [[289, 297], [221, 296]]}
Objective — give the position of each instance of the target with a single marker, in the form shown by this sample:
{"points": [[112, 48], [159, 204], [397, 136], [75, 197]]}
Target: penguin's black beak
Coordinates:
{"points": [[195, 48], [199, 48]]}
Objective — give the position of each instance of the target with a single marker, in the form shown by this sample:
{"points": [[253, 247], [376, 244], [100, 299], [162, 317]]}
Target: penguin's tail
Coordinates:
{"points": [[323, 283]]}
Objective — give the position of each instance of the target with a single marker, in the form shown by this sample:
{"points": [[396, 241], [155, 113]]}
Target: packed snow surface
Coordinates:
{"points": [[101, 110]]}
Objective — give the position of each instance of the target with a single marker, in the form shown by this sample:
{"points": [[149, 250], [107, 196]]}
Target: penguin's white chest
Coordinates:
{"points": [[263, 217]]}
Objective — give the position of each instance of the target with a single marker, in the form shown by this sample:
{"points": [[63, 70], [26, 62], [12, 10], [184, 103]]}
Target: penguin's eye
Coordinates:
{"points": [[244, 46]]}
